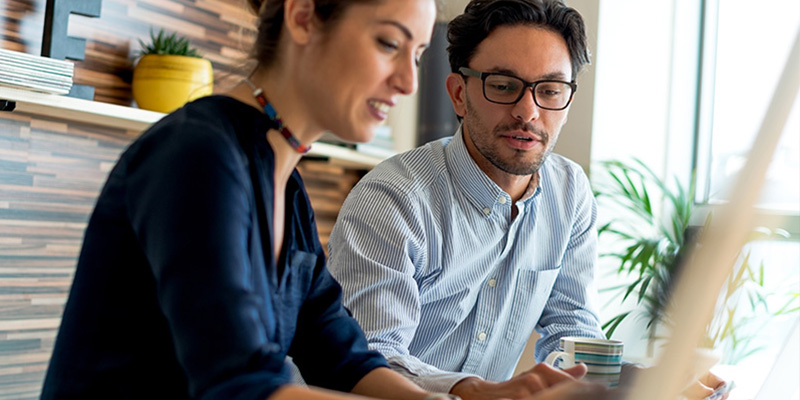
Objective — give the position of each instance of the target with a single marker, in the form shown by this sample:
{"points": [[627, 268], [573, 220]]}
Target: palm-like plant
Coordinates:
{"points": [[656, 238], [654, 234], [737, 328]]}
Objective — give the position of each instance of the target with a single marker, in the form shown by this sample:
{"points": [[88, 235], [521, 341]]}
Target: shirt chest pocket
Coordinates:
{"points": [[532, 291]]}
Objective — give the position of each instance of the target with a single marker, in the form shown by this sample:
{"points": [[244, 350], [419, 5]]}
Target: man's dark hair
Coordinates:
{"points": [[481, 17]]}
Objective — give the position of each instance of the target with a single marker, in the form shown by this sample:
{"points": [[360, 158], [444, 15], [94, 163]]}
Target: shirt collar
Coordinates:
{"points": [[474, 184]]}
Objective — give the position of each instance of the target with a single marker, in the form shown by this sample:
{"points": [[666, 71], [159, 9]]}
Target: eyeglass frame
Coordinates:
{"points": [[466, 71]]}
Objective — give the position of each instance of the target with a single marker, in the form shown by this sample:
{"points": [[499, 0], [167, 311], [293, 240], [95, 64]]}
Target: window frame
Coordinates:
{"points": [[704, 15]]}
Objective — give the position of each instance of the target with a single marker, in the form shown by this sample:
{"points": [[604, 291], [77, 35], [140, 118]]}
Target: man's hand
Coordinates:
{"points": [[576, 390], [522, 386]]}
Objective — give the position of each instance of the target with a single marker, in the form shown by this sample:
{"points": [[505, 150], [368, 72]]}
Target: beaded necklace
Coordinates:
{"points": [[276, 119]]}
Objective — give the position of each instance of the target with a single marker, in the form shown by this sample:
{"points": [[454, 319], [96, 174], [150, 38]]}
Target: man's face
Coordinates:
{"points": [[512, 138]]}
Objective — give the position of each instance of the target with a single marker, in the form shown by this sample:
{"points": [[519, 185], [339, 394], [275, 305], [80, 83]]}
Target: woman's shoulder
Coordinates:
{"points": [[206, 114], [206, 126]]}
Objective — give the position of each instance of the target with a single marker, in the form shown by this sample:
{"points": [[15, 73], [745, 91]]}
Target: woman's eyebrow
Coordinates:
{"points": [[400, 26]]}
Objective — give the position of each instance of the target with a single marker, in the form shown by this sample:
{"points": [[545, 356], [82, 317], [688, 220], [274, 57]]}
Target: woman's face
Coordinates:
{"points": [[358, 70]]}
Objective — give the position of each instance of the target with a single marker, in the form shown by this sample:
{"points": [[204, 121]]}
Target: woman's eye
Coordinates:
{"points": [[388, 44]]}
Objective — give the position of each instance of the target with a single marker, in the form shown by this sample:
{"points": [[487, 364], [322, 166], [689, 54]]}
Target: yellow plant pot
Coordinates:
{"points": [[164, 83]]}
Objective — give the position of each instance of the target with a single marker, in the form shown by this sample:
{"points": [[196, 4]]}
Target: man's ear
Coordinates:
{"points": [[298, 19], [457, 90]]}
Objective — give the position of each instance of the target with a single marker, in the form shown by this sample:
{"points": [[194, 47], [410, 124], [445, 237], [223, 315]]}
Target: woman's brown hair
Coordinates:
{"points": [[270, 23]]}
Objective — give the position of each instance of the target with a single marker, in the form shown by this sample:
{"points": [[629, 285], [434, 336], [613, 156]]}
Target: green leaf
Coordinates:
{"points": [[643, 287], [612, 324], [162, 43]]}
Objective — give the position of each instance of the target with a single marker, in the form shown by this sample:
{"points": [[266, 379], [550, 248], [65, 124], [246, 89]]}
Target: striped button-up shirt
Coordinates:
{"points": [[442, 280]]}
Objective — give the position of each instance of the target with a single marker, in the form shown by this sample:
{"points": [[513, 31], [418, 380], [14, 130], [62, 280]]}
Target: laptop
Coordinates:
{"points": [[695, 295]]}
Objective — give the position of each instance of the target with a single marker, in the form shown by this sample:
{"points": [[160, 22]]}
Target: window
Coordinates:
{"points": [[746, 45]]}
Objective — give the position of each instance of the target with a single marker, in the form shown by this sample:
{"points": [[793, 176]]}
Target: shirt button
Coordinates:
{"points": [[502, 200], [482, 336], [492, 282], [487, 210]]}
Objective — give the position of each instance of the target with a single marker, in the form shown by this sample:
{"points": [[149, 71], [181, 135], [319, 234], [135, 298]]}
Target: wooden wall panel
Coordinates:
{"points": [[50, 175], [222, 30]]}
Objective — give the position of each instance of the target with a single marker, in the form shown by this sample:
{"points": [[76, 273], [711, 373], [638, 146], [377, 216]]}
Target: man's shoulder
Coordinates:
{"points": [[560, 174], [561, 167], [412, 170]]}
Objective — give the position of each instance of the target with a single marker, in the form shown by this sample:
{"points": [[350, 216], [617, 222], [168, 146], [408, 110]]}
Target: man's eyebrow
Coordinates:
{"points": [[551, 76], [400, 26]]}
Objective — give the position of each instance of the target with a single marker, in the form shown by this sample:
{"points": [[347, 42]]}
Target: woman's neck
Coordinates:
{"points": [[292, 113]]}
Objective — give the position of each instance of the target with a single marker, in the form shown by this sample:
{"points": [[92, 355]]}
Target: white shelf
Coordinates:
{"points": [[72, 109], [135, 119]]}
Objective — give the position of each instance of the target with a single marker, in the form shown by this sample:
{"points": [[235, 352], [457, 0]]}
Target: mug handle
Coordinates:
{"points": [[567, 360]]}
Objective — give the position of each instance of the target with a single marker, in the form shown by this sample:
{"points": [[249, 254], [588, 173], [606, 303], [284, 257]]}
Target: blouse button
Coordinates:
{"points": [[482, 336], [487, 210], [492, 282], [502, 200]]}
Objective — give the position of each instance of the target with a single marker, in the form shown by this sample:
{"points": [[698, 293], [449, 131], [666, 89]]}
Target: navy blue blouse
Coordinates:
{"points": [[176, 293]]}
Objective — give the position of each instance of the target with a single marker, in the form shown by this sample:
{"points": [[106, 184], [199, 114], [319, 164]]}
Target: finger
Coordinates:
{"points": [[711, 380], [697, 391], [573, 390], [577, 371], [552, 376]]}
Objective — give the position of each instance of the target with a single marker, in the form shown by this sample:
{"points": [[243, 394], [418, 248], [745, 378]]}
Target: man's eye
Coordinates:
{"points": [[500, 87]]}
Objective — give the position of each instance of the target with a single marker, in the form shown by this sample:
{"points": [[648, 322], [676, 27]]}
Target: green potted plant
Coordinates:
{"points": [[170, 73], [651, 238]]}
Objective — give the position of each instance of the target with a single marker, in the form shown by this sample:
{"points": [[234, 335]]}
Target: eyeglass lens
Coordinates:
{"points": [[508, 90]]}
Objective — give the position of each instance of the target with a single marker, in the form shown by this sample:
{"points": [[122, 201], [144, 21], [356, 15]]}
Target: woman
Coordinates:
{"points": [[201, 269]]}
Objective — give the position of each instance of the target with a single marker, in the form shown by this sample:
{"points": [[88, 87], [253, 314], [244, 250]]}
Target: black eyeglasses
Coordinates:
{"points": [[508, 89]]}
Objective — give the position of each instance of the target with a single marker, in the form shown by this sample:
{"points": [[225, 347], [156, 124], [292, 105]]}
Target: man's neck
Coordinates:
{"points": [[514, 185]]}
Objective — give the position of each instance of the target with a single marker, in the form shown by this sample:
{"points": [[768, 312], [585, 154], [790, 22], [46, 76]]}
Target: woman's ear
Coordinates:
{"points": [[458, 93], [298, 18]]}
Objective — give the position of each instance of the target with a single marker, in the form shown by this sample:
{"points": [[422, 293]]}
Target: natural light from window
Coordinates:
{"points": [[753, 44]]}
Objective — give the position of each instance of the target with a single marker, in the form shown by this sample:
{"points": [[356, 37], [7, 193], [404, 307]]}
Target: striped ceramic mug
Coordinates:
{"points": [[603, 358]]}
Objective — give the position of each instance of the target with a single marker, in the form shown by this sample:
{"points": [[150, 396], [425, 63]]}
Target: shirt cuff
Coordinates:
{"points": [[426, 376]]}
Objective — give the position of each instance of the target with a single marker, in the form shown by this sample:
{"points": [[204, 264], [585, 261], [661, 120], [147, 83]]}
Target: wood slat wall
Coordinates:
{"points": [[50, 175]]}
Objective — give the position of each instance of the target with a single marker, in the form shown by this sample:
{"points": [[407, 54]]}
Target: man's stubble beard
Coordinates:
{"points": [[485, 143]]}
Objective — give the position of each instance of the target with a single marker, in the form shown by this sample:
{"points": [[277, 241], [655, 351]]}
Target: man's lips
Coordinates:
{"points": [[526, 136], [523, 139]]}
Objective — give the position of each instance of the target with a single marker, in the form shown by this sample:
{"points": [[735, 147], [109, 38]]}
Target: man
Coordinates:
{"points": [[451, 254]]}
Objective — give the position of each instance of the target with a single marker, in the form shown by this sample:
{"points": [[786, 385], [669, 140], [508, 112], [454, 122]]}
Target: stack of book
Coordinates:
{"points": [[41, 74]]}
